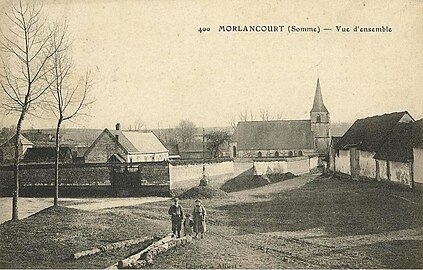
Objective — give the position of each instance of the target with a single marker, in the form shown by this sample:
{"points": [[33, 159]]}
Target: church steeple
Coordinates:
{"points": [[318, 105], [320, 122]]}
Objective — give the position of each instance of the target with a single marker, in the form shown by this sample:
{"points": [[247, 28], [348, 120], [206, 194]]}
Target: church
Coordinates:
{"points": [[285, 138]]}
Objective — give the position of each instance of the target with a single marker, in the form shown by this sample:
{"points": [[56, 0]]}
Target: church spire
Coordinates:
{"points": [[318, 105]]}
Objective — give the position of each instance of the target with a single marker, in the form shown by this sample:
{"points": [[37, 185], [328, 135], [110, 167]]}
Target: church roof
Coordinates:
{"points": [[318, 105], [280, 134]]}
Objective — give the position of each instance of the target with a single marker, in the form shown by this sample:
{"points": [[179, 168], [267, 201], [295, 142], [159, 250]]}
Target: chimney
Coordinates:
{"points": [[117, 133]]}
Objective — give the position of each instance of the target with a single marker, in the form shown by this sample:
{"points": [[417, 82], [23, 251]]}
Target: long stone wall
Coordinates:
{"points": [[183, 176], [296, 165], [113, 179]]}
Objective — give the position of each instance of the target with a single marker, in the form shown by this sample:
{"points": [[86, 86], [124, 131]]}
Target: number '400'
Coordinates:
{"points": [[203, 29]]}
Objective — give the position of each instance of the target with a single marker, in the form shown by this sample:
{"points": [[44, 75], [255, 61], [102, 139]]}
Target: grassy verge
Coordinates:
{"points": [[328, 223]]}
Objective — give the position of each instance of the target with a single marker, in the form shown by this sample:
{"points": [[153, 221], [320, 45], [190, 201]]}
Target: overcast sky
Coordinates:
{"points": [[150, 64]]}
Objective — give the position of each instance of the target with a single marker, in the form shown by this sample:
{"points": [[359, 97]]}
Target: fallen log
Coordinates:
{"points": [[111, 246], [145, 256]]}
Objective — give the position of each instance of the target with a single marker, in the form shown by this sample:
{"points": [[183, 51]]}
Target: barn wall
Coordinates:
{"points": [[383, 170], [342, 162], [367, 164], [400, 172], [418, 166]]}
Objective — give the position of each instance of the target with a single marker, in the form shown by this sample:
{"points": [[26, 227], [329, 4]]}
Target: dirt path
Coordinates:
{"points": [[264, 193], [30, 206]]}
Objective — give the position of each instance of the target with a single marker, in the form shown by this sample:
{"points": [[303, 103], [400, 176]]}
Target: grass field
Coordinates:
{"points": [[326, 223]]}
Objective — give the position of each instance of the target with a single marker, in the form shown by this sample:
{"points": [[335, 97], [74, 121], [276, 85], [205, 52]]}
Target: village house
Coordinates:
{"points": [[380, 147], [418, 156], [7, 150], [47, 155], [285, 138], [126, 147]]}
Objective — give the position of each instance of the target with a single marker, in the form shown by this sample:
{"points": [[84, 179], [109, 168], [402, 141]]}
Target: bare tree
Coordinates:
{"points": [[264, 114], [215, 140], [279, 116], [185, 131], [243, 116], [25, 46], [137, 126], [69, 93]]}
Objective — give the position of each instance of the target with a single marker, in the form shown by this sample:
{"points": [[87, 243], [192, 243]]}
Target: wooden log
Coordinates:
{"points": [[131, 260], [111, 246], [155, 251]]}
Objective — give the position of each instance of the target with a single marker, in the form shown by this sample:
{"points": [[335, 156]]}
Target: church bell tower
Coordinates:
{"points": [[320, 123]]}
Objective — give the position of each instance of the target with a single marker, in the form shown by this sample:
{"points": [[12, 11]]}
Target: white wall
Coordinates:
{"points": [[383, 170], [342, 163], [400, 172], [297, 166], [314, 161], [418, 165], [147, 157], [367, 164], [187, 176], [270, 167]]}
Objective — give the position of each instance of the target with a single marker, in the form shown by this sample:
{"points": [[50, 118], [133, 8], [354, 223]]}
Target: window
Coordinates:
{"points": [[259, 154], [300, 153], [290, 154], [318, 118], [276, 154]]}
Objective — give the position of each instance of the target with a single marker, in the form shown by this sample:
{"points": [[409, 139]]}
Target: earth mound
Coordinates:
{"points": [[203, 192]]}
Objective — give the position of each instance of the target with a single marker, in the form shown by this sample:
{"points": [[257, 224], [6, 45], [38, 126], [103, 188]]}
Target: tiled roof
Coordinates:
{"points": [[139, 142], [281, 134], [368, 134], [46, 154]]}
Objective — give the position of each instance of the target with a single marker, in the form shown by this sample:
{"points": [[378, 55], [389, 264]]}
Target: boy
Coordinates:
{"points": [[177, 215]]}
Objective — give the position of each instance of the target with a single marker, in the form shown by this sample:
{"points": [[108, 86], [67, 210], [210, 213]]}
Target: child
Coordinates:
{"points": [[188, 224], [177, 214]]}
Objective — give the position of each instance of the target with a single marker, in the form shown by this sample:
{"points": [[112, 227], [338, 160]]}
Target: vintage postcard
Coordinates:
{"points": [[211, 134]]}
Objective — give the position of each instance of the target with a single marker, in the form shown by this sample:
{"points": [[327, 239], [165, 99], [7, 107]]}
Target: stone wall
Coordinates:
{"points": [[103, 148], [183, 176], [296, 165], [117, 179]]}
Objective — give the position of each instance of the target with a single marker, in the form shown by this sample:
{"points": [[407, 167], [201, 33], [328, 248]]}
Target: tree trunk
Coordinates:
{"points": [[56, 164], [15, 213]]}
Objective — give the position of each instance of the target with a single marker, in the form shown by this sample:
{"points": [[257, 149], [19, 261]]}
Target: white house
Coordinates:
{"points": [[126, 146]]}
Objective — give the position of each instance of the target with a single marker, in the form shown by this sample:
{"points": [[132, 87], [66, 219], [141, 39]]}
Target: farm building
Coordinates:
{"points": [[126, 146], [7, 150], [380, 147]]}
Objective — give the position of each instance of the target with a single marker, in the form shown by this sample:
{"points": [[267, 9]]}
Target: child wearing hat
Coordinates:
{"points": [[199, 218], [188, 224], [177, 215]]}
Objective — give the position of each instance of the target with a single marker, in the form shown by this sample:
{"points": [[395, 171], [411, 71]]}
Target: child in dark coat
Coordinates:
{"points": [[188, 224], [177, 215]]}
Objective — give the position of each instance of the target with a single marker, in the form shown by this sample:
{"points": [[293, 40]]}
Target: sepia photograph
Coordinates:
{"points": [[141, 134]]}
